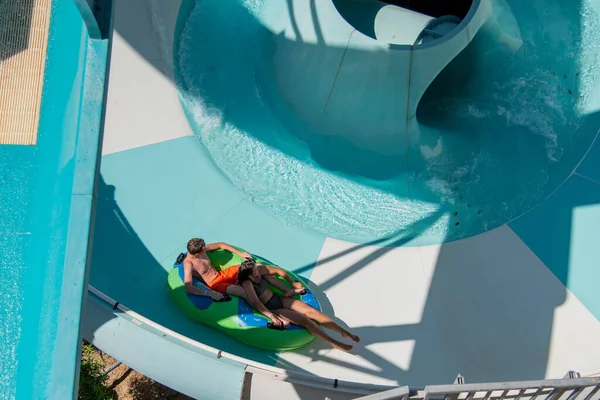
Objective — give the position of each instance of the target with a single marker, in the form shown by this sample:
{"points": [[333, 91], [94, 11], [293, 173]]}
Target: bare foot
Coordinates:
{"points": [[352, 337], [342, 347]]}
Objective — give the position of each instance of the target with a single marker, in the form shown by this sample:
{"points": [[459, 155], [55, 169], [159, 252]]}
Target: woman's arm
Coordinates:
{"points": [[252, 298], [268, 273], [254, 301], [225, 246], [284, 275], [277, 283]]}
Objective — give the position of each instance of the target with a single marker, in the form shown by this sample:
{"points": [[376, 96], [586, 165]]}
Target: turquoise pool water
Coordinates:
{"points": [[501, 128], [45, 210]]}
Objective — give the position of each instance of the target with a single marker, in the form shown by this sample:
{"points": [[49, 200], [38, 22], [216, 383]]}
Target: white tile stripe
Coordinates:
{"points": [[143, 105]]}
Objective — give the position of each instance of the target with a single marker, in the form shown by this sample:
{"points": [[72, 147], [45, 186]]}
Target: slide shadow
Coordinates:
{"points": [[123, 268]]}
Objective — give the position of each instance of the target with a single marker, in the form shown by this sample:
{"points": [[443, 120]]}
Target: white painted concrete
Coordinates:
{"points": [[381, 294], [485, 307], [397, 25], [143, 105], [497, 308]]}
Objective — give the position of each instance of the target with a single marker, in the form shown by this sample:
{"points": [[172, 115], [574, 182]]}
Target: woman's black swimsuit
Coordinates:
{"points": [[274, 302]]}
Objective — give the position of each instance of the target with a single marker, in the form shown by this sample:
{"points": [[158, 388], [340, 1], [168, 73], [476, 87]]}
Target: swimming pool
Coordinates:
{"points": [[46, 201], [498, 131]]}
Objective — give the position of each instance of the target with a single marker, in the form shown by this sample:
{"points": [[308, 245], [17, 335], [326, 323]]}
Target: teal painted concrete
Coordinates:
{"points": [[64, 380], [46, 203], [563, 232], [146, 215]]}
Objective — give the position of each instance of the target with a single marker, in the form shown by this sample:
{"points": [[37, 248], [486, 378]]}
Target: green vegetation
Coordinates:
{"points": [[92, 384]]}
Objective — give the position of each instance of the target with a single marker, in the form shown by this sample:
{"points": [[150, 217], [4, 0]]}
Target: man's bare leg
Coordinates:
{"points": [[237, 291]]}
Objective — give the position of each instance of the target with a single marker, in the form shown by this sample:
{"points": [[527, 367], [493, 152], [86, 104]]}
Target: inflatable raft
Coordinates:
{"points": [[236, 317]]}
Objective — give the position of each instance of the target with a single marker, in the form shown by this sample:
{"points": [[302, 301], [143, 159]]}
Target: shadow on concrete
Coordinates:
{"points": [[465, 295], [557, 231], [488, 316], [123, 268], [360, 14]]}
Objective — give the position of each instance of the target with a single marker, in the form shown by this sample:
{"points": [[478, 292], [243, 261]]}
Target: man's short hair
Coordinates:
{"points": [[195, 246]]}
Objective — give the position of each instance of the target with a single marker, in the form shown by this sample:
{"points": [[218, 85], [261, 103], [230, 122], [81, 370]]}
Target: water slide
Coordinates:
{"points": [[434, 177]]}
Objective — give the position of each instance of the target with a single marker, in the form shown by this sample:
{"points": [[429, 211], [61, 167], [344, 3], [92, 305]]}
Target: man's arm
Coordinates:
{"points": [[225, 246], [188, 280]]}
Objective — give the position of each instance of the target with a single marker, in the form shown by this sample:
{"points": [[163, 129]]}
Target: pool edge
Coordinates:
{"points": [[64, 379]]}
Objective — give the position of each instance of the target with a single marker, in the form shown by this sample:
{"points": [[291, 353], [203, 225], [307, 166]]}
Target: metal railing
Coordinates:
{"points": [[572, 387]]}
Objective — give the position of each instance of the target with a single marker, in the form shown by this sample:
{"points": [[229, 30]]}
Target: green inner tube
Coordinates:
{"points": [[236, 317]]}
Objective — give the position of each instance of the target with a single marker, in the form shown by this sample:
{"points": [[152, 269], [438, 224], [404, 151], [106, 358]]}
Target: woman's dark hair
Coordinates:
{"points": [[195, 246], [245, 270]]}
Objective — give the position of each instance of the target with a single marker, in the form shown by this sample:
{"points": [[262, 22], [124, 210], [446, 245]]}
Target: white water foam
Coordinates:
{"points": [[589, 59], [304, 194], [254, 6]]}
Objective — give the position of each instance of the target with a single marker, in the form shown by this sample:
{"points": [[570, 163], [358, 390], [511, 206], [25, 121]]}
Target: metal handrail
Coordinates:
{"points": [[549, 389]]}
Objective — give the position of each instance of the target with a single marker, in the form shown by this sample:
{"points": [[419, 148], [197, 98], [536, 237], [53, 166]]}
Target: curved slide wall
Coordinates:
{"points": [[319, 56]]}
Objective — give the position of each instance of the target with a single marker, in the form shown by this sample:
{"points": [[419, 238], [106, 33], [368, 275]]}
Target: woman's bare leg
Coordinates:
{"points": [[299, 319], [318, 316]]}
